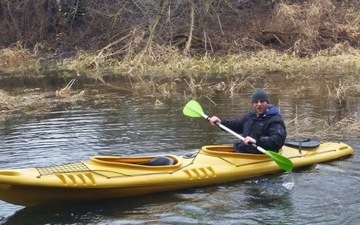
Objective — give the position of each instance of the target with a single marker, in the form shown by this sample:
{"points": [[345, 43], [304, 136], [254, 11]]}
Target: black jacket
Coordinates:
{"points": [[268, 130]]}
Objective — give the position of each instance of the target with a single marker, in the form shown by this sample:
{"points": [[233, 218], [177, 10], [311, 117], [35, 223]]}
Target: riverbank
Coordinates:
{"points": [[164, 73], [171, 64], [40, 84]]}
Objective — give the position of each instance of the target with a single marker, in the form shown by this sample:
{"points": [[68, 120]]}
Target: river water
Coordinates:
{"points": [[326, 193]]}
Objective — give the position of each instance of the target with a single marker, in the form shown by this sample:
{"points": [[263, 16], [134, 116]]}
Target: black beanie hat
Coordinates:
{"points": [[259, 94]]}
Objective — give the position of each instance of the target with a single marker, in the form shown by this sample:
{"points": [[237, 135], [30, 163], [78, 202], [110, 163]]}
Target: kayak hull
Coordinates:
{"points": [[103, 177]]}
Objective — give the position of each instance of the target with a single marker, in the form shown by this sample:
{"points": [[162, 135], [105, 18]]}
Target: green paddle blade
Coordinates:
{"points": [[283, 162], [193, 109]]}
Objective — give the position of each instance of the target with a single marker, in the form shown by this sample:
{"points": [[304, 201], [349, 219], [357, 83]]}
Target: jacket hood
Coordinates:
{"points": [[273, 111]]}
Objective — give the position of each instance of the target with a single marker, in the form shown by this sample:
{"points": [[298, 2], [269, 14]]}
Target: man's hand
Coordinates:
{"points": [[249, 140], [214, 120]]}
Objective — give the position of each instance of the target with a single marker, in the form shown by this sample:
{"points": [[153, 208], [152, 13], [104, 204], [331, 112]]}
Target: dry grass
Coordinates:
{"points": [[35, 101], [7, 102], [16, 59], [173, 64], [318, 127], [163, 72], [124, 29], [22, 103], [314, 25]]}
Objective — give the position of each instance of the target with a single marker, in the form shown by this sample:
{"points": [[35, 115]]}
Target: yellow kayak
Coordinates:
{"points": [[102, 177]]}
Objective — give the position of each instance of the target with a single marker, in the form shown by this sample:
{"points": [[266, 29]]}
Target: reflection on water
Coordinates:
{"points": [[322, 194], [93, 212]]}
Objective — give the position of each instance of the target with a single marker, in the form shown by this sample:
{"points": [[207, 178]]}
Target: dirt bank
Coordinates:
{"points": [[123, 29]]}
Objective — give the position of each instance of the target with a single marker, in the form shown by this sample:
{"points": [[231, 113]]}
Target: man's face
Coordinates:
{"points": [[260, 106]]}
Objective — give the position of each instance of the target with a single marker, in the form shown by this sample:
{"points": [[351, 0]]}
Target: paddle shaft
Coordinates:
{"points": [[235, 134]]}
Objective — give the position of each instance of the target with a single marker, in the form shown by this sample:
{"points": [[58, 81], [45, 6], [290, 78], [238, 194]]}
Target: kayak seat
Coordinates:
{"points": [[159, 161], [305, 143]]}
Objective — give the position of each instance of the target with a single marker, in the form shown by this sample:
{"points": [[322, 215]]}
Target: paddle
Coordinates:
{"points": [[193, 109]]}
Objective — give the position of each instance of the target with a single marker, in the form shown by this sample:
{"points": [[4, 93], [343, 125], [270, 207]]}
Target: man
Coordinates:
{"points": [[263, 126]]}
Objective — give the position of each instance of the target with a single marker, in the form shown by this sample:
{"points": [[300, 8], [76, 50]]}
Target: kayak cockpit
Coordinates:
{"points": [[228, 151], [141, 161], [305, 144]]}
